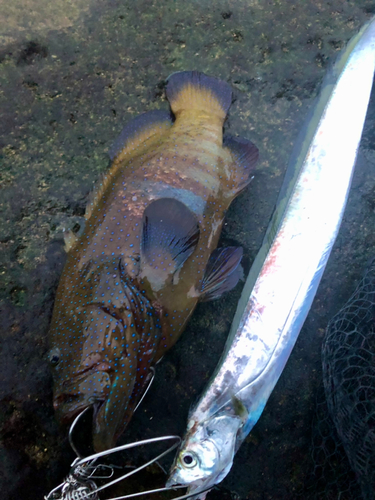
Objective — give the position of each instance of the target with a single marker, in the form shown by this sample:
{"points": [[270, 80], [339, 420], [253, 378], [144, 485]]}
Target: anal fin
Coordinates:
{"points": [[222, 272]]}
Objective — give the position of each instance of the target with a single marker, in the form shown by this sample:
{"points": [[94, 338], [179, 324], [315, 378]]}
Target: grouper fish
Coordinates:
{"points": [[147, 254]]}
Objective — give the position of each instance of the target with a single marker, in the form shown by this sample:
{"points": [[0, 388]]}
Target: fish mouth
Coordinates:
{"points": [[68, 406], [90, 387], [173, 484], [174, 479]]}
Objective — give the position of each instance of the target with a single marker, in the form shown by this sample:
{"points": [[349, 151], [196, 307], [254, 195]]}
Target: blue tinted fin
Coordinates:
{"points": [[170, 235], [245, 156], [139, 130], [189, 90], [222, 272]]}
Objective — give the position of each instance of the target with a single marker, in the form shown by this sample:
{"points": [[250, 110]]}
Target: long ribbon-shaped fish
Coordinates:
{"points": [[286, 272]]}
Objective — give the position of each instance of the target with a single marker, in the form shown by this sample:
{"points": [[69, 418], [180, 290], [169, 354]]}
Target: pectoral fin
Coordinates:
{"points": [[170, 235], [70, 240], [222, 272], [240, 409]]}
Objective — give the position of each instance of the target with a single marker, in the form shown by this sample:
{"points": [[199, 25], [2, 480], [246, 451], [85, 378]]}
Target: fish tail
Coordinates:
{"points": [[191, 90]]}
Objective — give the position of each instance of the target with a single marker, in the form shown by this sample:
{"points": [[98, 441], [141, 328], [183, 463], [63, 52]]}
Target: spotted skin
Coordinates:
{"points": [[124, 298]]}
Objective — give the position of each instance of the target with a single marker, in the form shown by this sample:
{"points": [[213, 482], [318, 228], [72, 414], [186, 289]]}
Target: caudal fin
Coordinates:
{"points": [[191, 90]]}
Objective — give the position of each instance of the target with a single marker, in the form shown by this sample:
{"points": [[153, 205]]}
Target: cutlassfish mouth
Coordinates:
{"points": [[171, 483], [174, 480]]}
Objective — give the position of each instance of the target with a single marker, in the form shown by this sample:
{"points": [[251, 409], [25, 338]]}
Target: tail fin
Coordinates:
{"points": [[191, 90]]}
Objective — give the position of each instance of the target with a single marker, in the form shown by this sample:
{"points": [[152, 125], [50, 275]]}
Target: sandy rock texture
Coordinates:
{"points": [[71, 75]]}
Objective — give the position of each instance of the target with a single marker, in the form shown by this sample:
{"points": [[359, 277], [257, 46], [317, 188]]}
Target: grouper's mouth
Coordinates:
{"points": [[68, 406], [88, 388]]}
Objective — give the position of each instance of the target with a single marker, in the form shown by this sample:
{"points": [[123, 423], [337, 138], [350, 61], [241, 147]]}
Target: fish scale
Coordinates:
{"points": [[147, 254]]}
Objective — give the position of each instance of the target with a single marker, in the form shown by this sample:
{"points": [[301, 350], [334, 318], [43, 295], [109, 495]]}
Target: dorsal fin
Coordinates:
{"points": [[97, 193], [137, 135], [245, 156], [170, 235], [140, 129], [191, 90]]}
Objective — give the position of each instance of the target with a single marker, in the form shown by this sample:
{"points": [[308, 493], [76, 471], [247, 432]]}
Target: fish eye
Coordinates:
{"points": [[189, 459], [54, 356]]}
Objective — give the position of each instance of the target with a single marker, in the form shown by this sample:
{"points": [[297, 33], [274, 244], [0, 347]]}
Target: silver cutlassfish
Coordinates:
{"points": [[286, 272]]}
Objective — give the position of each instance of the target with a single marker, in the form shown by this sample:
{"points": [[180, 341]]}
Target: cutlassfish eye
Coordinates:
{"points": [[189, 460], [54, 356]]}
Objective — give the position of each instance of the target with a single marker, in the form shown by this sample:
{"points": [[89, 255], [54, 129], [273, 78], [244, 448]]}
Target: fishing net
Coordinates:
{"points": [[332, 476], [346, 433]]}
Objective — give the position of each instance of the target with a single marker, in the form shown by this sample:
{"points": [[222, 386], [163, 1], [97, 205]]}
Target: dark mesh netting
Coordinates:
{"points": [[348, 359], [332, 476]]}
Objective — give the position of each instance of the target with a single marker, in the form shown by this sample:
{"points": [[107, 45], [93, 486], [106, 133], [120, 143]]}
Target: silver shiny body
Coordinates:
{"points": [[285, 275]]}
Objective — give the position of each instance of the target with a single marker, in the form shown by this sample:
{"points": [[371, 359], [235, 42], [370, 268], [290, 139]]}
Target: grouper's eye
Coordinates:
{"points": [[189, 459], [54, 356]]}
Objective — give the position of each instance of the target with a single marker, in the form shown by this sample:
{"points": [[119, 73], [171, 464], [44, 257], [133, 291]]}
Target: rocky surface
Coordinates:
{"points": [[71, 74]]}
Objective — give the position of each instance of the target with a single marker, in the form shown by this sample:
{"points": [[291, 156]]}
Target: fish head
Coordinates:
{"points": [[78, 389], [95, 369], [82, 377], [206, 455]]}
